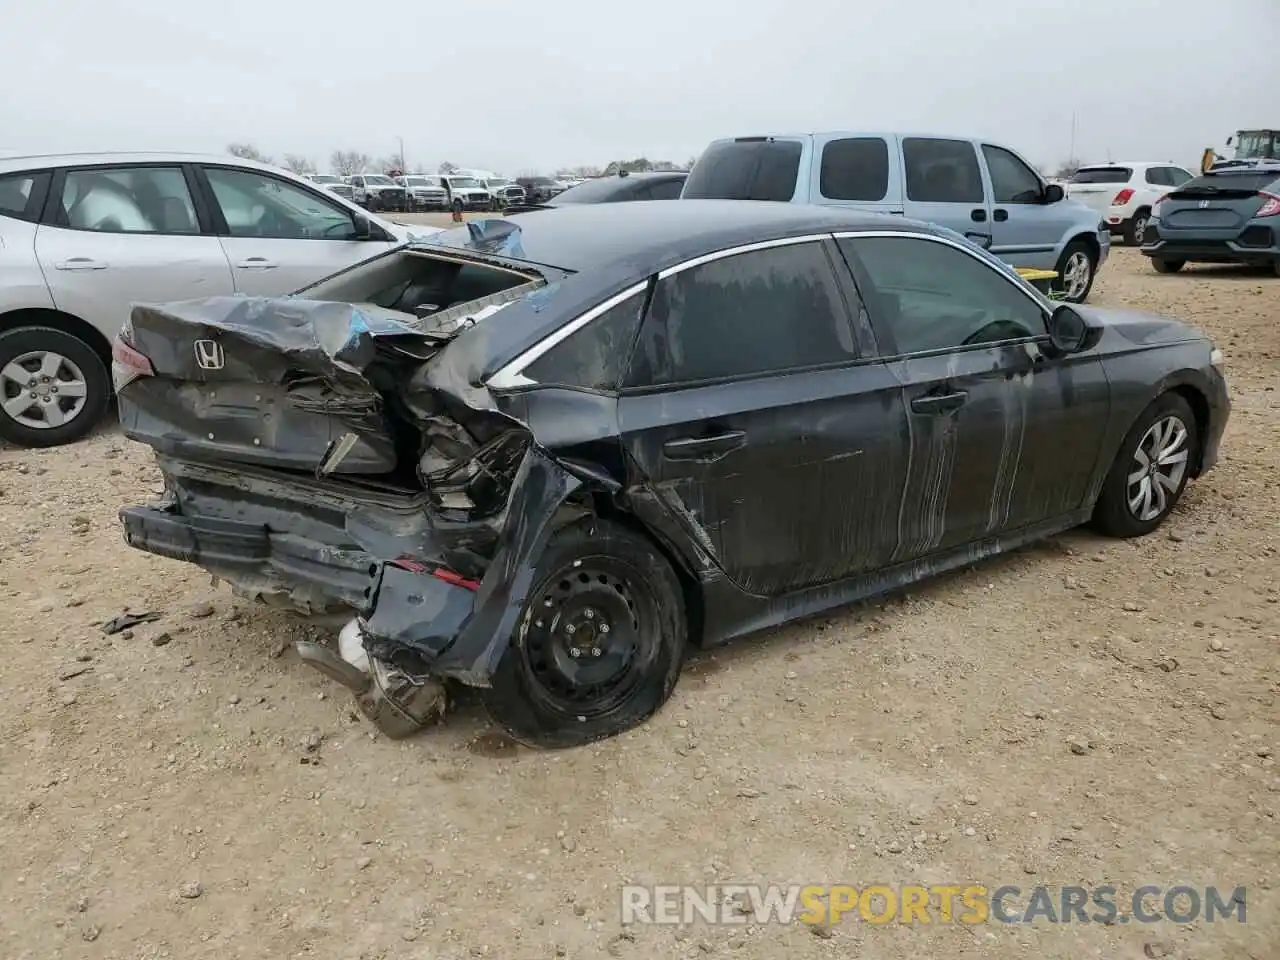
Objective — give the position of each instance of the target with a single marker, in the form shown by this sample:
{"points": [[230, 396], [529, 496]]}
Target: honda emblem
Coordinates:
{"points": [[209, 355], [1203, 204]]}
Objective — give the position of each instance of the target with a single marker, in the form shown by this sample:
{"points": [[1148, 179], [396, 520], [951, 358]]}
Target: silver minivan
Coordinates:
{"points": [[978, 188]]}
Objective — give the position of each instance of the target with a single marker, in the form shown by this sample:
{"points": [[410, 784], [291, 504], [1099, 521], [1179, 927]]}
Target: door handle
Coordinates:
{"points": [[978, 216], [255, 263], [704, 448], [81, 263], [940, 402], [1000, 216]]}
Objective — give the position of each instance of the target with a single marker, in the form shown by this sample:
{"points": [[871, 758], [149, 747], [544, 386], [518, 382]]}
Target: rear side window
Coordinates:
{"points": [[941, 171], [595, 356], [1102, 175], [766, 311], [745, 170], [666, 190], [22, 194], [856, 168]]}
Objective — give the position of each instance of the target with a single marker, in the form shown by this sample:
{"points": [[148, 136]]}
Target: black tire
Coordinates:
{"points": [[1132, 233], [593, 575], [97, 381], [1275, 267], [457, 206], [371, 203], [1074, 248], [1167, 266], [1112, 514]]}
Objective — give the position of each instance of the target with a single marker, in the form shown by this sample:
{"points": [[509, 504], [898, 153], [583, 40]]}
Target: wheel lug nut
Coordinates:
{"points": [[596, 651], [575, 652], [570, 629], [604, 628], [589, 613]]}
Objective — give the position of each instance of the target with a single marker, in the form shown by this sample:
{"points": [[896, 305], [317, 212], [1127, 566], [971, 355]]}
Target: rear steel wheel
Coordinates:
{"points": [[599, 644]]}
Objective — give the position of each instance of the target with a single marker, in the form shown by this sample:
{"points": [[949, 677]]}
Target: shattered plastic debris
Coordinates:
{"points": [[127, 620]]}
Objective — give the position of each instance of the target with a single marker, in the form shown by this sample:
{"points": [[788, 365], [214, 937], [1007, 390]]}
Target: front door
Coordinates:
{"points": [[126, 234], [749, 414], [943, 185], [1025, 230], [1001, 436], [279, 236]]}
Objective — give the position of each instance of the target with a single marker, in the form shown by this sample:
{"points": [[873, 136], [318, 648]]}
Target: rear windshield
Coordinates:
{"points": [[745, 170], [1228, 179], [595, 191], [1102, 175]]}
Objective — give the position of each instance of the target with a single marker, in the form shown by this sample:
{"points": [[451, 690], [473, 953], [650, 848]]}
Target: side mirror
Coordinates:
{"points": [[362, 228], [1053, 193], [1229, 139], [1070, 332]]}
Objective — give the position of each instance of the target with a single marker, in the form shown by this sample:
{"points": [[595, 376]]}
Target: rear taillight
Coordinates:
{"points": [[1155, 207], [1123, 197], [1270, 205], [128, 364]]}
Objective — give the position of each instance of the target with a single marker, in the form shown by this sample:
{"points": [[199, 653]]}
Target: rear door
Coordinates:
{"points": [[1025, 229], [117, 235], [278, 235], [1002, 437], [857, 171], [762, 423], [944, 185]]}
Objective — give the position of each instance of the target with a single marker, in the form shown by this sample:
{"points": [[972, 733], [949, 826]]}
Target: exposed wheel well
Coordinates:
{"points": [[41, 317], [1090, 241], [1200, 408]]}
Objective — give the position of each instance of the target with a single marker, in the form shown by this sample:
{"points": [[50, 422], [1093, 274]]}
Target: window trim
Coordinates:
{"points": [[52, 214], [218, 220], [510, 376], [1016, 282]]}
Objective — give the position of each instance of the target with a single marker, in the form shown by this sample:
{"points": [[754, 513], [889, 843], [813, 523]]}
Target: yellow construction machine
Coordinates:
{"points": [[1249, 145]]}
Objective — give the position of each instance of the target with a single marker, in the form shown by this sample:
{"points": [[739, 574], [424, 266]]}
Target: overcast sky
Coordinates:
{"points": [[515, 86]]}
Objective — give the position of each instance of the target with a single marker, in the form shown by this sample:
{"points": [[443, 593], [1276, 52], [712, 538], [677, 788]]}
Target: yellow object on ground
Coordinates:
{"points": [[1031, 274]]}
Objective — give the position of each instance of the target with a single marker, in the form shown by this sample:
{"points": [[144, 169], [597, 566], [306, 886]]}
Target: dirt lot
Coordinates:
{"points": [[1084, 712]]}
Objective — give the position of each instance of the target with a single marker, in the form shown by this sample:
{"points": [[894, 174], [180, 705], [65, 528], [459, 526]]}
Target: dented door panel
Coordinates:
{"points": [[796, 478]]}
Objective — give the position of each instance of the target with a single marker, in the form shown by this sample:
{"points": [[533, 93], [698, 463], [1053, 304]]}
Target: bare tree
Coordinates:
{"points": [[1068, 169], [389, 162], [298, 164], [247, 151], [448, 167], [347, 162]]}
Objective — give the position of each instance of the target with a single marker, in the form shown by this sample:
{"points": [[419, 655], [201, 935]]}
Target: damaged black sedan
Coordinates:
{"points": [[542, 458]]}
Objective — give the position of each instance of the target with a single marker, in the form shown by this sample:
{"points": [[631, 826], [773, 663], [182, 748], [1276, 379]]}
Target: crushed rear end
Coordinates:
{"points": [[319, 455]]}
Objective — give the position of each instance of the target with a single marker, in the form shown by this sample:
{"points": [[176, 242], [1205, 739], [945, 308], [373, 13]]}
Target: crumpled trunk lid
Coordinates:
{"points": [[271, 382]]}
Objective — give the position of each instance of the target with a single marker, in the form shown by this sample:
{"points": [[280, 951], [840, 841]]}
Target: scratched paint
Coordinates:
{"points": [[1014, 400]]}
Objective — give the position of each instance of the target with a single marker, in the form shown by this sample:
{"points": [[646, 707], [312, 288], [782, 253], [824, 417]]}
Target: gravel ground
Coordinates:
{"points": [[1086, 711]]}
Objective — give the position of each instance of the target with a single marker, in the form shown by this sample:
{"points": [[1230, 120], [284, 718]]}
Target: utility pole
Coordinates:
{"points": [[1072, 155], [402, 167]]}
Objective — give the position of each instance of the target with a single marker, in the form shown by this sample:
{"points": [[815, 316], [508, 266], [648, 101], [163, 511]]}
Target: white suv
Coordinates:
{"points": [[1124, 193], [85, 236]]}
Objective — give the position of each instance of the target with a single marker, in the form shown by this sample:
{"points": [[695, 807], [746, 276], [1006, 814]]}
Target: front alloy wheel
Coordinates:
{"points": [[1151, 469], [1158, 469], [1077, 274]]}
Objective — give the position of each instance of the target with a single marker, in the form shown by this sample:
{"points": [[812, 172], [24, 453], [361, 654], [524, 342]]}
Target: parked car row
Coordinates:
{"points": [[413, 192]]}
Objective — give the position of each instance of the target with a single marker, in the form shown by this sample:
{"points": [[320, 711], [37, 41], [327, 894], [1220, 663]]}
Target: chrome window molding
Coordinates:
{"points": [[511, 375]]}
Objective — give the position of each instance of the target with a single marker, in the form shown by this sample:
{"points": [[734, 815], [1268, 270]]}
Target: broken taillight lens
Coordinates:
{"points": [[451, 577], [1270, 205], [127, 364]]}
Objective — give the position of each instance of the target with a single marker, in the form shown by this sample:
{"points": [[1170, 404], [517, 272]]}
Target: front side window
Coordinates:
{"points": [[128, 200], [21, 194], [856, 168], [1177, 176], [1012, 181], [258, 205], [928, 295], [593, 357], [755, 313], [941, 171]]}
